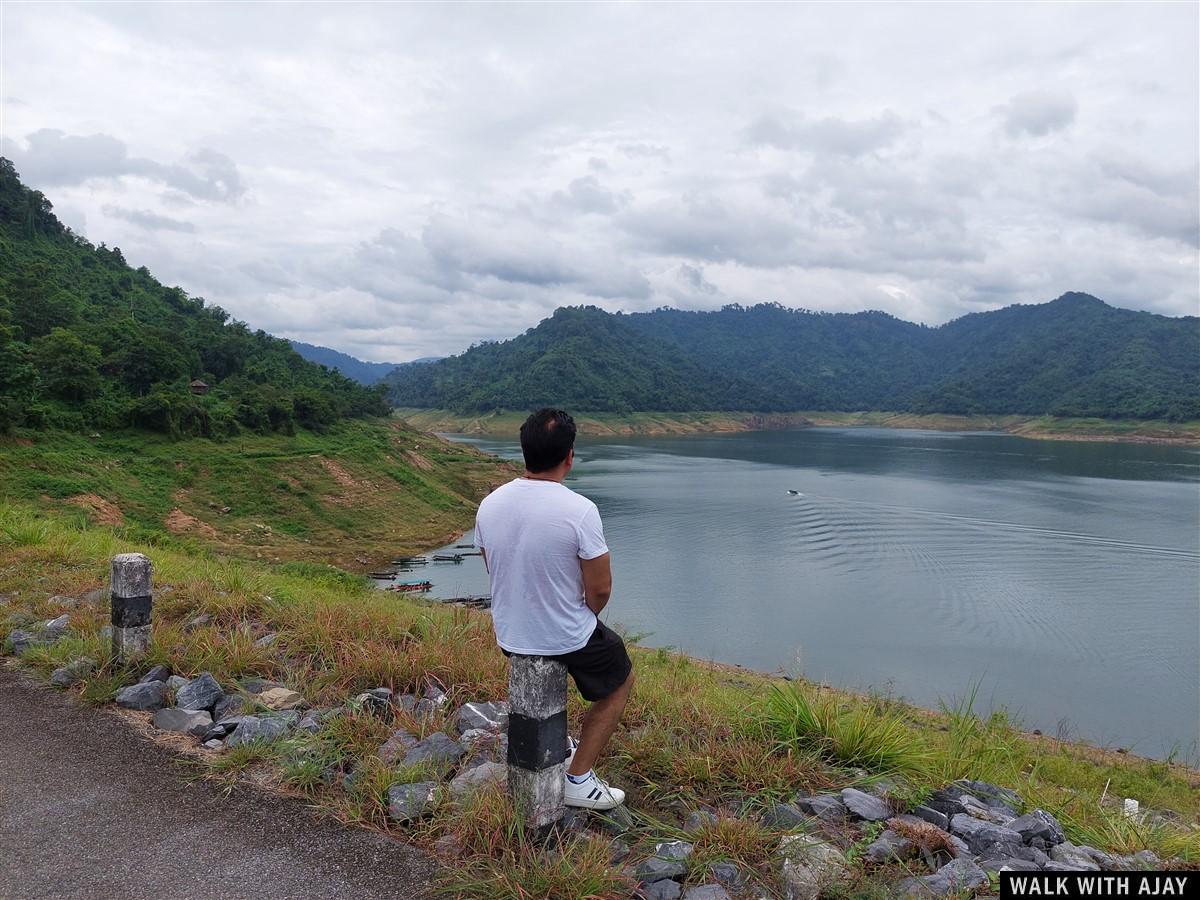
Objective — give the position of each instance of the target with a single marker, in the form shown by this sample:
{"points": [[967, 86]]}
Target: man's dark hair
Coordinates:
{"points": [[546, 438]]}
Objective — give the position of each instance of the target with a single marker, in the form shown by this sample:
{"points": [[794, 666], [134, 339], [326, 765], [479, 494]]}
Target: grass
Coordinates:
{"points": [[353, 497], [694, 734], [508, 422]]}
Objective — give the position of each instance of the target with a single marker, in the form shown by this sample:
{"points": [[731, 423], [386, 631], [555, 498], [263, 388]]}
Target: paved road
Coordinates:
{"points": [[89, 809]]}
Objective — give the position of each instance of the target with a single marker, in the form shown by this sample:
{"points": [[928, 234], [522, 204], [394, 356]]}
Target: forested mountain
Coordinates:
{"points": [[1074, 356], [583, 353], [363, 372], [87, 341]]}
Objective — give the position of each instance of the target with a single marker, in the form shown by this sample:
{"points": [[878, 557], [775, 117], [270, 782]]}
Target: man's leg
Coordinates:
{"points": [[599, 723]]}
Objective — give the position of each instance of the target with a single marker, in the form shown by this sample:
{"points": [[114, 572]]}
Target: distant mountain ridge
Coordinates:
{"points": [[1073, 356]]}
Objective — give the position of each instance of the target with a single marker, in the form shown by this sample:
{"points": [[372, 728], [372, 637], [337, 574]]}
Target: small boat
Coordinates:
{"points": [[464, 546], [410, 561], [417, 586], [383, 576], [448, 557], [793, 493]]}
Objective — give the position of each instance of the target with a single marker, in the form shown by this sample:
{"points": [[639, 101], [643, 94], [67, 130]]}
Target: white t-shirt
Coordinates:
{"points": [[534, 534]]}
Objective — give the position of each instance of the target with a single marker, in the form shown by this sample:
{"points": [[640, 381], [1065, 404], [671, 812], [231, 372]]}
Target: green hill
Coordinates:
{"points": [[1074, 356], [86, 341]]}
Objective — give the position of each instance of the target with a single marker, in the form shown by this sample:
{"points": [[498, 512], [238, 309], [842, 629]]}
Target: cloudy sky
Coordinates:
{"points": [[400, 180]]}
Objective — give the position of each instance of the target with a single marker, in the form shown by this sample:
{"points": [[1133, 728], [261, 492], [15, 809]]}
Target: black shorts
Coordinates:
{"points": [[600, 666]]}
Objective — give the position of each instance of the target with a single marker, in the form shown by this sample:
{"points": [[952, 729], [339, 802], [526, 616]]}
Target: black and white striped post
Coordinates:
{"points": [[131, 606], [537, 740]]}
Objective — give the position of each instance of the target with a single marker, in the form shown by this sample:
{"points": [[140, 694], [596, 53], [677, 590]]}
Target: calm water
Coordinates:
{"points": [[1064, 577]]}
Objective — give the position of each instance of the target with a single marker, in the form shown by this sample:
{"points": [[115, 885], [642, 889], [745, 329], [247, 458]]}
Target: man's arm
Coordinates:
{"points": [[597, 581]]}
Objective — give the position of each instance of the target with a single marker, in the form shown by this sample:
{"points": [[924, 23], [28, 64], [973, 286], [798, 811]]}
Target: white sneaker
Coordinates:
{"points": [[572, 746], [592, 794]]}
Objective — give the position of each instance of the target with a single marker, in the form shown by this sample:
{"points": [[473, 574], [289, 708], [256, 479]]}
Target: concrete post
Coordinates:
{"points": [[131, 605], [537, 740]]}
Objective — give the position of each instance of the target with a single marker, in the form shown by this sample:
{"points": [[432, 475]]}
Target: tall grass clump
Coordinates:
{"points": [[503, 861], [853, 734]]}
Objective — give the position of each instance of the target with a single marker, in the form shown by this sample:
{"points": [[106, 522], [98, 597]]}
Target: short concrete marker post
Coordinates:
{"points": [[537, 740], [131, 605]]}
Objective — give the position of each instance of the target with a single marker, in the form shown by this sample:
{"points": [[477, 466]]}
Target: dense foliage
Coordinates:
{"points": [[1074, 356], [88, 342]]}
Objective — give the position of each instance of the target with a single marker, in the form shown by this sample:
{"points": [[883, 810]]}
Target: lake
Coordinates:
{"points": [[1061, 577]]}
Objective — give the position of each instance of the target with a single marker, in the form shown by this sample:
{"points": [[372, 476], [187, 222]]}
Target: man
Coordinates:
{"points": [[543, 546]]}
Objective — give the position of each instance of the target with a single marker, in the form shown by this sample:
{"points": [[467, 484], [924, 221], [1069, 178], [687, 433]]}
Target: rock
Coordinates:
{"points": [[266, 641], [407, 802], [437, 749], [573, 821], [396, 747], [657, 869], [315, 719], [281, 698], [448, 846], [706, 892], [1008, 865], [252, 729], [20, 641], [53, 629], [485, 746], [407, 703], [889, 847], [149, 696], [435, 694], [195, 722], [213, 744], [727, 874], [783, 815], [981, 835], [1038, 824], [158, 673], [177, 683], [1105, 861], [202, 692], [466, 783], [614, 821], [1054, 866], [949, 802], [1003, 852], [258, 685], [699, 819], [426, 708], [990, 794], [995, 813], [229, 706], [618, 850], [484, 716], [953, 878], [828, 807], [221, 729], [99, 595], [675, 850], [864, 806], [106, 633], [810, 865], [1145, 860], [666, 889], [1077, 857], [73, 672], [376, 700], [63, 602], [933, 817], [201, 621]]}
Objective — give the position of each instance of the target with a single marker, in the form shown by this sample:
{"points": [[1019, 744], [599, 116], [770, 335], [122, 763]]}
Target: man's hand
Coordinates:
{"points": [[597, 581]]}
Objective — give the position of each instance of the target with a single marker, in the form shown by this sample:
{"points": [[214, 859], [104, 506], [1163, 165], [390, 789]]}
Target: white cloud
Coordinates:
{"points": [[401, 180]]}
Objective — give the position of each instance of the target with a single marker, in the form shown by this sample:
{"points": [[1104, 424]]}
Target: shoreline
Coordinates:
{"points": [[649, 424]]}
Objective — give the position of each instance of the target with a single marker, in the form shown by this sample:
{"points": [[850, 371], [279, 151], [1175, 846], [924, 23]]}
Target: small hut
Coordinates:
{"points": [[199, 388]]}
